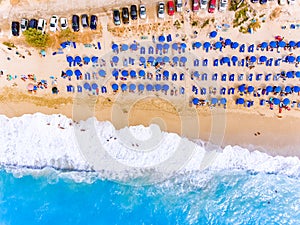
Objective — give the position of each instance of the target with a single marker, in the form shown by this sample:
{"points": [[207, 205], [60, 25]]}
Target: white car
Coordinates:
{"points": [[42, 25], [53, 23], [63, 23], [179, 5], [143, 13], [203, 4], [24, 24], [292, 2], [223, 5], [282, 2], [161, 10]]}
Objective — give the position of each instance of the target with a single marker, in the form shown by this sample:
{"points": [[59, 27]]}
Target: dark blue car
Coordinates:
{"points": [[33, 23], [262, 1], [93, 24]]}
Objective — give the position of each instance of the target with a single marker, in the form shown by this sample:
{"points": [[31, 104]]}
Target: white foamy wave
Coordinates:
{"points": [[38, 141]]}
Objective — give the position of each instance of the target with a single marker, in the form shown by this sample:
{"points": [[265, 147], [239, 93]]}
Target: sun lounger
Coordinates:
{"points": [[182, 90], [87, 76], [276, 77], [204, 76], [250, 77], [196, 62], [203, 91], [215, 77], [103, 89], [231, 77], [150, 50], [74, 44], [277, 62], [241, 77], [79, 88], [298, 105], [174, 77], [223, 78], [223, 91], [181, 76], [99, 45], [142, 50], [169, 38], [258, 76], [251, 48], [216, 62], [205, 62], [262, 102], [231, 91], [242, 62], [242, 48], [268, 77]]}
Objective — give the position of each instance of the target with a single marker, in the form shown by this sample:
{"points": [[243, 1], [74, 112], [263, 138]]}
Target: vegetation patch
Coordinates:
{"points": [[36, 38]]}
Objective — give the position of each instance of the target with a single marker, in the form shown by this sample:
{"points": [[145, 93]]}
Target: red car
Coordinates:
{"points": [[171, 8], [195, 6], [212, 6]]}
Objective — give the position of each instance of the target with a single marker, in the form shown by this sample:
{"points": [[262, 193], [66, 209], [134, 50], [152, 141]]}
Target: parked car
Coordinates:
{"points": [[24, 24], [42, 25], [15, 28], [195, 7], [179, 5], [33, 23], [263, 1], [75, 23], [161, 10], [223, 5], [133, 12], [171, 8], [116, 17], [53, 23], [85, 21], [292, 2], [93, 24], [282, 2], [254, 1], [125, 15], [203, 4], [143, 13], [212, 6], [63, 23]]}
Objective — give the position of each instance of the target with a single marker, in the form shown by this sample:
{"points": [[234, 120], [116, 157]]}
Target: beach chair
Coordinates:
{"points": [[276, 77], [258, 76], [223, 91], [268, 77], [241, 77], [174, 77], [150, 50], [204, 76], [277, 62], [262, 102], [182, 90], [250, 77], [298, 105], [242, 48], [74, 44], [99, 45], [216, 62], [103, 89], [203, 91], [142, 50], [231, 91], [87, 76], [231, 77], [251, 48], [68, 88], [223, 78], [196, 62], [79, 88], [169, 38], [181, 77], [215, 77], [242, 62], [205, 62]]}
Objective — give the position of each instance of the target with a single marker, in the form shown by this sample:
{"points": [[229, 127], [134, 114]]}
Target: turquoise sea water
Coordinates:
{"points": [[223, 197]]}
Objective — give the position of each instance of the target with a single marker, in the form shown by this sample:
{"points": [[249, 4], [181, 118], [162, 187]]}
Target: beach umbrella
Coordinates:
{"points": [[165, 87], [69, 73], [288, 89], [297, 74], [250, 89], [133, 47], [87, 86], [269, 88], [213, 34], [77, 72], [114, 47], [225, 60], [276, 101], [94, 86], [94, 59], [262, 58], [298, 58], [30, 87], [298, 44], [240, 101], [159, 59], [197, 44], [142, 73], [141, 87], [253, 59], [175, 59], [102, 73], [218, 44], [273, 44], [183, 59], [123, 87], [196, 74], [166, 73], [223, 101], [227, 41], [142, 59], [115, 87], [277, 89], [214, 101], [166, 46], [292, 44], [291, 58], [132, 87], [151, 59], [149, 87], [286, 101], [242, 88], [196, 101], [124, 47], [281, 44], [157, 87], [161, 38], [289, 74], [115, 59], [86, 59], [132, 73], [206, 45], [296, 89], [69, 59], [124, 73], [234, 45], [264, 45], [175, 46], [159, 46], [166, 59], [183, 45], [234, 59], [77, 59], [115, 73]]}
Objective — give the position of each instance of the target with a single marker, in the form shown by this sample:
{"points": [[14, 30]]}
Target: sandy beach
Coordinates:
{"points": [[256, 127]]}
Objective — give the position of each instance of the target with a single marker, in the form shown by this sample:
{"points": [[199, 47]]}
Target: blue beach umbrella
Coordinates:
{"points": [[115, 73], [269, 88], [132, 73], [183, 45], [273, 44], [183, 59], [197, 44], [213, 34], [159, 46], [196, 74], [142, 73], [133, 47], [240, 101], [124, 73], [296, 89], [286, 101], [175, 59], [297, 74], [223, 101], [289, 74], [291, 58], [214, 101], [69, 73], [234, 59], [166, 73], [151, 59], [87, 86], [288, 89], [114, 46], [253, 59], [123, 87], [298, 58], [165, 87], [102, 73], [166, 46], [115, 59], [94, 59], [195, 101], [142, 59], [132, 87], [149, 87], [161, 38], [175, 46], [234, 45], [77, 59], [141, 87], [157, 87], [263, 58], [298, 44], [277, 89], [159, 59], [228, 41], [250, 89], [77, 72], [264, 45], [70, 59], [218, 44], [242, 88], [281, 44], [225, 59], [86, 59], [115, 87], [166, 59], [94, 86], [276, 101], [206, 45], [292, 44], [124, 47]]}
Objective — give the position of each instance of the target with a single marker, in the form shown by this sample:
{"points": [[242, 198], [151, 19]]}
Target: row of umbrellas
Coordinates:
{"points": [[213, 101], [254, 59], [151, 59], [276, 89], [275, 101], [140, 87]]}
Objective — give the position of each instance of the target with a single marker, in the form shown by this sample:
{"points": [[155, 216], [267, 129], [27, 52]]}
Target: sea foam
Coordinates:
{"points": [[38, 141]]}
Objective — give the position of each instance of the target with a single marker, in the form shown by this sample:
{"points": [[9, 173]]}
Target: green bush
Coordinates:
{"points": [[36, 38]]}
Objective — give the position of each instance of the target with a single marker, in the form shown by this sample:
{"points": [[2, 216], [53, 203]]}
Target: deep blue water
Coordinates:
{"points": [[226, 197]]}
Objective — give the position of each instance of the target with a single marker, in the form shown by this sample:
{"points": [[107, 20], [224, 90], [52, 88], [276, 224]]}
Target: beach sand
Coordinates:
{"points": [[234, 126]]}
